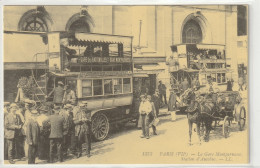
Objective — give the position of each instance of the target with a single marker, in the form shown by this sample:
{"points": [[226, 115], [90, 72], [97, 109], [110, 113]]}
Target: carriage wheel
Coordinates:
{"points": [[242, 118], [100, 126], [225, 127]]}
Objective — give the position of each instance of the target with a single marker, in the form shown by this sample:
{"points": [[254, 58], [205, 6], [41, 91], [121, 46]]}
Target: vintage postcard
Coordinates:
{"points": [[125, 84]]}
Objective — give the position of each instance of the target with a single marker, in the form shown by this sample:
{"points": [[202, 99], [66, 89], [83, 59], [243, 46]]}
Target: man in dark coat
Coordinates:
{"points": [[172, 104], [82, 127], [13, 125], [156, 101], [56, 135], [152, 116], [230, 84], [44, 123], [58, 94], [162, 91], [33, 136]]}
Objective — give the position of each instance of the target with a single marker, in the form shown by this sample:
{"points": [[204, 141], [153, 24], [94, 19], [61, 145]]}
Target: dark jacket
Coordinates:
{"points": [[57, 124], [11, 123], [58, 94], [229, 86], [33, 132], [162, 89], [156, 101]]}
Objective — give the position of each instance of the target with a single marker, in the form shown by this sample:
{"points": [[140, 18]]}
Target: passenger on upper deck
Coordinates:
{"points": [[66, 52]]}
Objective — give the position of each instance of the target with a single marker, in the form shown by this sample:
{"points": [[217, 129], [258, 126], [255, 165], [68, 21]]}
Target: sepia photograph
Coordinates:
{"points": [[157, 84]]}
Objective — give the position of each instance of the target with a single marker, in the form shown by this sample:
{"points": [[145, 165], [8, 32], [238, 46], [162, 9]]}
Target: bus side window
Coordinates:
{"points": [[98, 87], [86, 88], [117, 86], [108, 86], [127, 85], [127, 67]]}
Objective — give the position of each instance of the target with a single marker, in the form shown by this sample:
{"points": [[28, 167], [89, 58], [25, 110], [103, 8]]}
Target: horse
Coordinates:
{"points": [[198, 112], [193, 112]]}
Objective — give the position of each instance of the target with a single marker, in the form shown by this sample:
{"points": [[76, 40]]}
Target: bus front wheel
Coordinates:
{"points": [[100, 126]]}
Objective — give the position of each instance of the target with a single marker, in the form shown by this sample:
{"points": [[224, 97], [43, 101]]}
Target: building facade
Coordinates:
{"points": [[154, 28]]}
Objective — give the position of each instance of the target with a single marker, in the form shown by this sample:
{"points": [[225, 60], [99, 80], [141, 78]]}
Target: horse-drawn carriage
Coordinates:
{"points": [[228, 108], [215, 109]]}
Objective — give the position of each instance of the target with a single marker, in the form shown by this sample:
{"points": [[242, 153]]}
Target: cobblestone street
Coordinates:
{"points": [[170, 145]]}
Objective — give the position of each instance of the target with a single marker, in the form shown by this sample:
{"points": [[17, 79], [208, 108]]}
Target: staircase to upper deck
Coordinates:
{"points": [[40, 80]]}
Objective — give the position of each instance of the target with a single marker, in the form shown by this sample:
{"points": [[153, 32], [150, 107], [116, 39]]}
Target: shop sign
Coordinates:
{"points": [[104, 73], [105, 59]]}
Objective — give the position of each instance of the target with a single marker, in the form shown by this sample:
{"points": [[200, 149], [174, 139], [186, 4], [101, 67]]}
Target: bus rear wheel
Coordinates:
{"points": [[100, 126]]}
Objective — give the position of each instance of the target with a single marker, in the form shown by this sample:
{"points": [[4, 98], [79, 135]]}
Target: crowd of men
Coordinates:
{"points": [[61, 127], [46, 131]]}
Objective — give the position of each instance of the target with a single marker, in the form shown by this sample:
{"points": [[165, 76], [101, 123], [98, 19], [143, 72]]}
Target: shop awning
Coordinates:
{"points": [[85, 38]]}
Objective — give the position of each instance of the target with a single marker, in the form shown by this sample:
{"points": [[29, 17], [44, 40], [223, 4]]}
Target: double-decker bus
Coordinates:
{"points": [[99, 68]]}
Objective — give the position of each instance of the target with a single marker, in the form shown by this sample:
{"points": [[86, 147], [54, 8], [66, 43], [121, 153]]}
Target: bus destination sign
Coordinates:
{"points": [[104, 59], [104, 73]]}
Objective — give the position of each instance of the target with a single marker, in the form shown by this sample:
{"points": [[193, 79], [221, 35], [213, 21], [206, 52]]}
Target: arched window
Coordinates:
{"points": [[191, 32], [79, 26], [80, 23], [35, 24], [35, 20]]}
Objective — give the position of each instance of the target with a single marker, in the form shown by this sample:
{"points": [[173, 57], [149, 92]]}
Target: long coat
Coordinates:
{"points": [[11, 122], [162, 89], [44, 145], [57, 124], [33, 132], [172, 102]]}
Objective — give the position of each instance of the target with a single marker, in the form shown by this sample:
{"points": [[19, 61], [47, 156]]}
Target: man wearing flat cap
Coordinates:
{"points": [[82, 127], [58, 94], [13, 125]]}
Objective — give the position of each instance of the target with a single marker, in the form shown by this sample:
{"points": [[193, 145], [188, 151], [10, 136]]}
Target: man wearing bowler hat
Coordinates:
{"points": [[82, 128], [58, 94]]}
